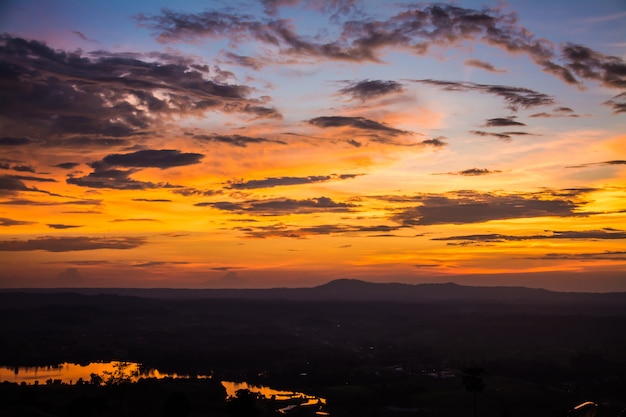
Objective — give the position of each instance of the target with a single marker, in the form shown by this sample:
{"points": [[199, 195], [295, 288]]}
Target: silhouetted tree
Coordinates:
{"points": [[473, 381], [121, 374], [243, 404]]}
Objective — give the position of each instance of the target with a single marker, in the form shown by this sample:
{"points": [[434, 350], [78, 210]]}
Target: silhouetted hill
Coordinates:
{"points": [[362, 291]]}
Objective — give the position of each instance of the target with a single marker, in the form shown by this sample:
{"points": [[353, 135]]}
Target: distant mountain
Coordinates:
{"points": [[351, 290]]}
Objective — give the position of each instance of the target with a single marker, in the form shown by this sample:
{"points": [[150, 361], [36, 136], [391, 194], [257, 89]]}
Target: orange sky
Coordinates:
{"points": [[292, 143]]}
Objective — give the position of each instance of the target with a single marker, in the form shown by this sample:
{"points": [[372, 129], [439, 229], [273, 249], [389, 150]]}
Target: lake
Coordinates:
{"points": [[70, 373]]}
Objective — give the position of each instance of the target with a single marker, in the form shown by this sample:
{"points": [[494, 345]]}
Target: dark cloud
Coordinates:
{"points": [[592, 65], [515, 97], [244, 61], [416, 28], [104, 176], [69, 244], [435, 142], [152, 200], [82, 36], [368, 89], [271, 7], [13, 141], [618, 103], [235, 140], [171, 27], [62, 226], [14, 184], [602, 234], [505, 136], [604, 256], [282, 206], [27, 202], [164, 158], [67, 165], [10, 222], [190, 191], [360, 123], [23, 168], [502, 121], [133, 220], [473, 172], [31, 178], [604, 163], [286, 231], [57, 93], [159, 263], [284, 181], [475, 207], [483, 65], [557, 112], [114, 179], [70, 277]]}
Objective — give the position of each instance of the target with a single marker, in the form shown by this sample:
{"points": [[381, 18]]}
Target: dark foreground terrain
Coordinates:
{"points": [[369, 349]]}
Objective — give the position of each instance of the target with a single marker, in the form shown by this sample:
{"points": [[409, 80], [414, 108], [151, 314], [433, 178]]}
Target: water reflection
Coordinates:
{"points": [[71, 373]]}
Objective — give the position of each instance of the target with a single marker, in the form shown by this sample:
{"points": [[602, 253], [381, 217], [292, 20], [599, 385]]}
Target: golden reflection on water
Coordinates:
{"points": [[70, 373]]}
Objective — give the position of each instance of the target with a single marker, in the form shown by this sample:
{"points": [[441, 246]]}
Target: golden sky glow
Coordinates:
{"points": [[287, 143]]}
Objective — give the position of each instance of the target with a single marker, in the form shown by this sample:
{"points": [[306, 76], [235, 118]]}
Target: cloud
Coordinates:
{"points": [[152, 200], [593, 256], [416, 28], [244, 61], [133, 220], [285, 181], [10, 222], [369, 89], [505, 136], [557, 112], [502, 121], [190, 191], [473, 172], [62, 226], [164, 158], [82, 36], [231, 279], [107, 95], [483, 65], [27, 202], [476, 207], [13, 141], [67, 165], [435, 142], [23, 168], [355, 122], [14, 184], [104, 176], [604, 163], [236, 140], [592, 65], [159, 263], [515, 97], [69, 244], [282, 206], [70, 277], [285, 231], [333, 7], [114, 179], [603, 234], [618, 103]]}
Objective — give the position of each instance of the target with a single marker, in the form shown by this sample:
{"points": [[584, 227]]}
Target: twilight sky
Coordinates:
{"points": [[291, 142]]}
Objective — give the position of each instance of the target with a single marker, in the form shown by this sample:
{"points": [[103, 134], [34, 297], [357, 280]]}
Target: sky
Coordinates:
{"points": [[287, 143]]}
